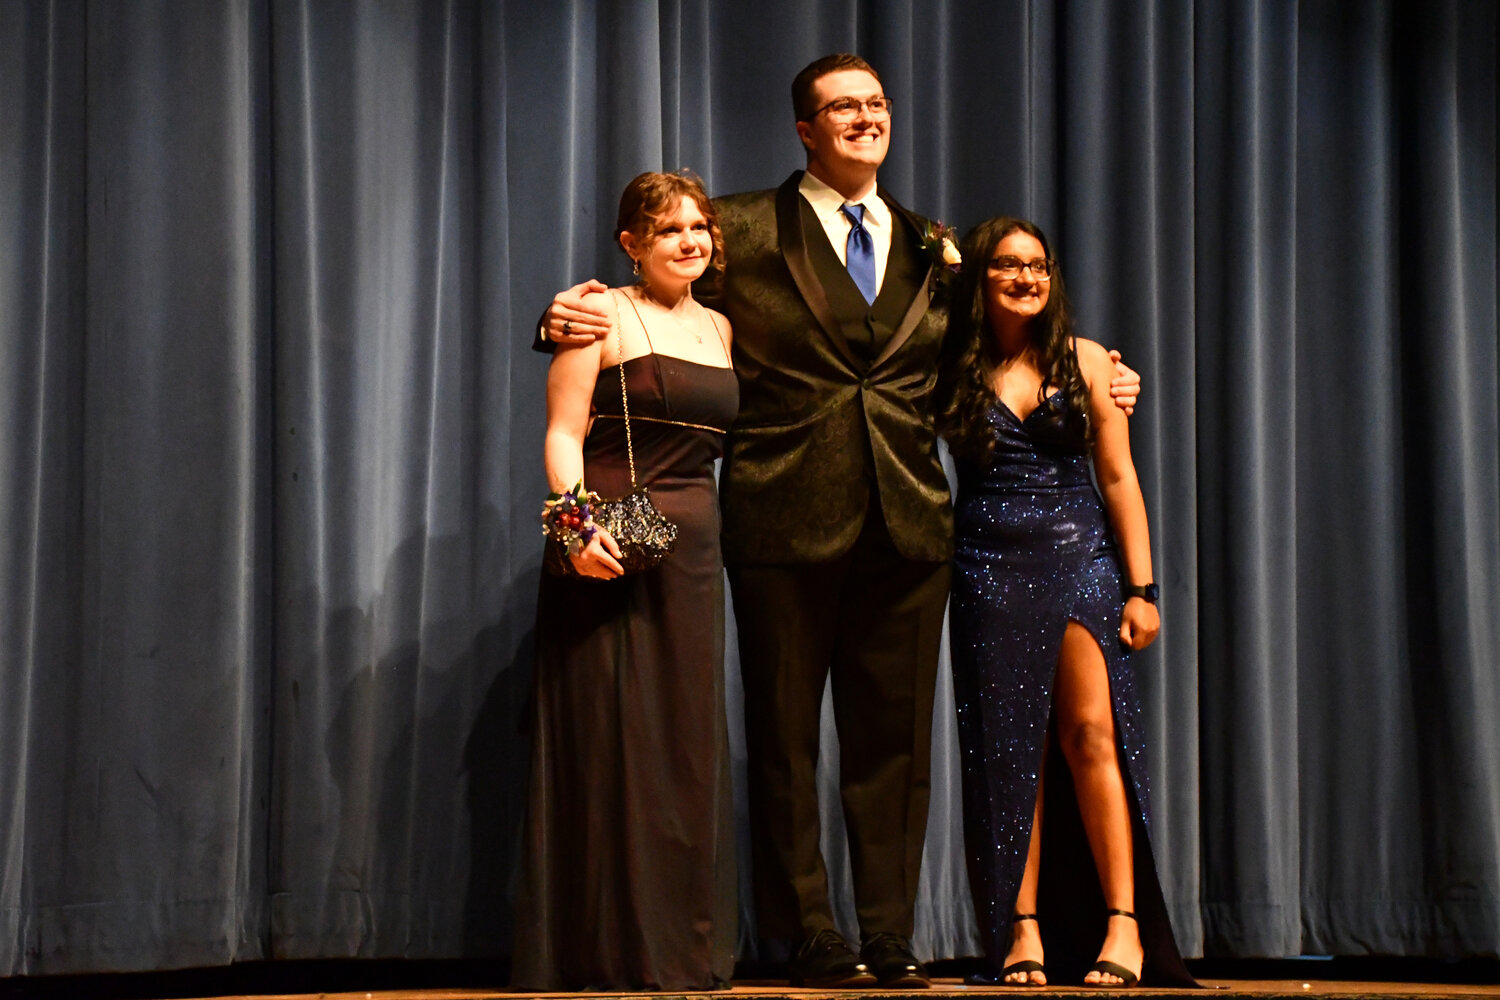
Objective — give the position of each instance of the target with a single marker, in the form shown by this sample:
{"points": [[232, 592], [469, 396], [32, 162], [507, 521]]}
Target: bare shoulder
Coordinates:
{"points": [[1094, 364], [1093, 360], [1090, 352], [608, 302], [602, 300]]}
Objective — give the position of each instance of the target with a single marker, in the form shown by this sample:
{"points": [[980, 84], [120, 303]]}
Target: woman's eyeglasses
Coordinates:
{"points": [[1006, 266]]}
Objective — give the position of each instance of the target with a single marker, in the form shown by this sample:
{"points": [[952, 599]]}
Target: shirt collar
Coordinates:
{"points": [[826, 202]]}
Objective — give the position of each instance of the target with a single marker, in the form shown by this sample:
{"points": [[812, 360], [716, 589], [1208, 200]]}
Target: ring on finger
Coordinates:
{"points": [[567, 328]]}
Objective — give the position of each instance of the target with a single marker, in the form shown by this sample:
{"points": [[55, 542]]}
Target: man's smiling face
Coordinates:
{"points": [[838, 147]]}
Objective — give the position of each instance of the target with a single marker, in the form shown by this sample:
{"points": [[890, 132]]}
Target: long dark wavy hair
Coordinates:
{"points": [[971, 353]]}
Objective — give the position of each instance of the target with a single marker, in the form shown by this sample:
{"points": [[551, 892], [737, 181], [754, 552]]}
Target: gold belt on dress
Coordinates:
{"points": [[660, 420]]}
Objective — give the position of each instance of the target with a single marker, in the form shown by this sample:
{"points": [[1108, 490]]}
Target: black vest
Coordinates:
{"points": [[865, 326]]}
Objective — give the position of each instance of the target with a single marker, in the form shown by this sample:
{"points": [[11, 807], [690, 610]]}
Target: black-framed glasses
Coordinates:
{"points": [[846, 109], [1006, 266]]}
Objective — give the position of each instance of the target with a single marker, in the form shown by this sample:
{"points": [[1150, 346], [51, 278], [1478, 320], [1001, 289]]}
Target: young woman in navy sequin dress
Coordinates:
{"points": [[1052, 590]]}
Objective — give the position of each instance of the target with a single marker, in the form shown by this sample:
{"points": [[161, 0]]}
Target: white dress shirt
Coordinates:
{"points": [[827, 205]]}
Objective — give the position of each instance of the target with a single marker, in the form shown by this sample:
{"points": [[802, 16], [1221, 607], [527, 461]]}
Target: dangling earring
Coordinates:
{"points": [[635, 265]]}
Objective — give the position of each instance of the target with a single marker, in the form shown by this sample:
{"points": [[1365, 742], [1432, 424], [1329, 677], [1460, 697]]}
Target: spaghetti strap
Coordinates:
{"points": [[722, 342], [650, 347]]}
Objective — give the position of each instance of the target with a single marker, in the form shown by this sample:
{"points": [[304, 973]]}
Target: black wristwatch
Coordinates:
{"points": [[1148, 591]]}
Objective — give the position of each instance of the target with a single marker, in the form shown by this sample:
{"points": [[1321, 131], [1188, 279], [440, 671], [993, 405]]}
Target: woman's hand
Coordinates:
{"points": [[1139, 623], [600, 557]]}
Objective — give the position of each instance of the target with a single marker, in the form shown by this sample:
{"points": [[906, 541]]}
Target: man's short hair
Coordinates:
{"points": [[802, 84]]}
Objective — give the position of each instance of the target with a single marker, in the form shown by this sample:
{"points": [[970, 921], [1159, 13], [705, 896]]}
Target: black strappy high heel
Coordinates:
{"points": [[1108, 968], [1028, 965]]}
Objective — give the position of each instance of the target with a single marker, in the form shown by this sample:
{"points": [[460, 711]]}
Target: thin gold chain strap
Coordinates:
{"points": [[624, 397], [625, 404]]}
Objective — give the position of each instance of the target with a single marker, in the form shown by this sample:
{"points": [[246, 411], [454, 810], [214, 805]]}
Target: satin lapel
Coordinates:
{"points": [[794, 250], [920, 300]]}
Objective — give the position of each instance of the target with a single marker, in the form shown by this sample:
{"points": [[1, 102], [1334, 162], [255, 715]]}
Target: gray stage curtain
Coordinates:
{"points": [[270, 435]]}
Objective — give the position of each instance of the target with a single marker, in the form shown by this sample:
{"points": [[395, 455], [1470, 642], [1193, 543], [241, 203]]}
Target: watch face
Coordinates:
{"points": [[1152, 592]]}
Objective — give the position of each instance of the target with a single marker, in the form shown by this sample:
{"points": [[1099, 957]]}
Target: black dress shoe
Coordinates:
{"points": [[825, 961], [890, 959]]}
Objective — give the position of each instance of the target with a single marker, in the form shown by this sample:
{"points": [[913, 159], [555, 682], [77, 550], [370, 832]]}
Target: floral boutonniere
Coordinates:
{"points": [[940, 244]]}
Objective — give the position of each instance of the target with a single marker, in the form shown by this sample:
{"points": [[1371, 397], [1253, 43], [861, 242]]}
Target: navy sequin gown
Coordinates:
{"points": [[1033, 551], [628, 868]]}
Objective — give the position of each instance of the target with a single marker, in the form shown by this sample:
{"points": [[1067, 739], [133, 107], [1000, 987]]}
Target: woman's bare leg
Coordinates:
{"points": [[1086, 730], [1025, 936]]}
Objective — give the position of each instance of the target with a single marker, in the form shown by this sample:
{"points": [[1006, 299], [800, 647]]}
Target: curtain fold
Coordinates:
{"points": [[270, 429], [1117, 208], [379, 514], [139, 766], [1246, 132], [41, 288]]}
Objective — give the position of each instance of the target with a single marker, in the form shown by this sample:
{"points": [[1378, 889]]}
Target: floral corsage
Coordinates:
{"points": [[940, 244], [568, 517]]}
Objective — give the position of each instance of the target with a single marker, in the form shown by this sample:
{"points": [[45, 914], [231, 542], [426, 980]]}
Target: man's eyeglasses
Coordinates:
{"points": [[1007, 266], [846, 109]]}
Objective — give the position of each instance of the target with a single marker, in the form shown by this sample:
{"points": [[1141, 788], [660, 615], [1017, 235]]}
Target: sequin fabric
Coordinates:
{"points": [[1032, 551]]}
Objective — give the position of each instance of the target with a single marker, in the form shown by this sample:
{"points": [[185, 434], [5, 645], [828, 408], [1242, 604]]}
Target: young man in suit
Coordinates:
{"points": [[837, 522]]}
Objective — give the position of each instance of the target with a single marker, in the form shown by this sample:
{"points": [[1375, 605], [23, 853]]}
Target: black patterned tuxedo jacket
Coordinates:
{"points": [[835, 395]]}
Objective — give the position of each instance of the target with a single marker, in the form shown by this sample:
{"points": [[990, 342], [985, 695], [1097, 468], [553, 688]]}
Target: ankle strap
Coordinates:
{"points": [[1121, 913], [1023, 916]]}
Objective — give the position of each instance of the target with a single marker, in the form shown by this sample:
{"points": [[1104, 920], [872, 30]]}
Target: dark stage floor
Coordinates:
{"points": [[1388, 979]]}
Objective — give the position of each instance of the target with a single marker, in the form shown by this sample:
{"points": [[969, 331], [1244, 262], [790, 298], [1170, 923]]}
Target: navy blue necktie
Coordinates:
{"points": [[860, 252]]}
